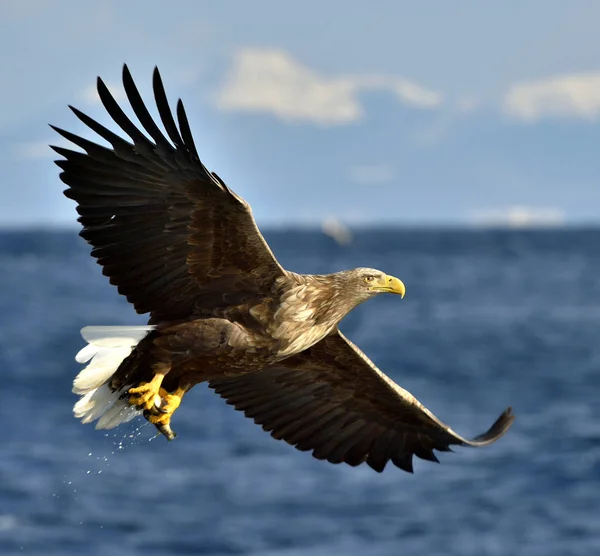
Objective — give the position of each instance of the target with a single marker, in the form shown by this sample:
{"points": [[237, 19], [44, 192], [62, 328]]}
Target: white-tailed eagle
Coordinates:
{"points": [[180, 245]]}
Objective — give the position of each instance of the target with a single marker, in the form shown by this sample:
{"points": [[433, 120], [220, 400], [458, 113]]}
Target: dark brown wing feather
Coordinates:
{"points": [[172, 237], [333, 400]]}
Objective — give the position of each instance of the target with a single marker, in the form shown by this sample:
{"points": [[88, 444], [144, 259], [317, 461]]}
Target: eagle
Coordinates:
{"points": [[184, 248]]}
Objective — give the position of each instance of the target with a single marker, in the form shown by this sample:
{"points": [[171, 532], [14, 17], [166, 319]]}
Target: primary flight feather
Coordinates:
{"points": [[183, 247]]}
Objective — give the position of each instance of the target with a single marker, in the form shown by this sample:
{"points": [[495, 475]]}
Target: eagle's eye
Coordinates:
{"points": [[369, 279]]}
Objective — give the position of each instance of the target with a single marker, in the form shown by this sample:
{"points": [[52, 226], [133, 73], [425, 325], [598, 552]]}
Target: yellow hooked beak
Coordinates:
{"points": [[390, 284]]}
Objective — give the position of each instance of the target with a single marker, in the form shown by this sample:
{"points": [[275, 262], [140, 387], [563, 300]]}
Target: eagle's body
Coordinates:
{"points": [[182, 246], [293, 318]]}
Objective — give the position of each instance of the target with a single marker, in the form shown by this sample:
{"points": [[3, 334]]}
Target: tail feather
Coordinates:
{"points": [[107, 348], [86, 353], [93, 404], [102, 366], [119, 412], [115, 336]]}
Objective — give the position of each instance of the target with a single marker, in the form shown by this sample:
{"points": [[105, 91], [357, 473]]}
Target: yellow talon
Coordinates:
{"points": [[160, 416], [147, 394], [170, 402]]}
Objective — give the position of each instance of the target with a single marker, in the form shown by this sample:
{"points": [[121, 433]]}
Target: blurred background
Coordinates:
{"points": [[451, 144]]}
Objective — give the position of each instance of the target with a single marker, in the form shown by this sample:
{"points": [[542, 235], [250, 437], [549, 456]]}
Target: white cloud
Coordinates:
{"points": [[407, 92], [376, 174], [271, 81], [414, 94], [566, 96]]}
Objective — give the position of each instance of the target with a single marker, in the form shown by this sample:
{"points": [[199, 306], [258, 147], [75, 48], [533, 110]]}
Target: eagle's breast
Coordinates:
{"points": [[301, 319]]}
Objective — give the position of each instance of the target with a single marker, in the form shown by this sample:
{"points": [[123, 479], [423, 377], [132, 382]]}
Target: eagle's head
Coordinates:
{"points": [[328, 298], [368, 282]]}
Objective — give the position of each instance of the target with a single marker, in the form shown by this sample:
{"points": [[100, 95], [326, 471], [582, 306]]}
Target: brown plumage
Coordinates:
{"points": [[183, 247]]}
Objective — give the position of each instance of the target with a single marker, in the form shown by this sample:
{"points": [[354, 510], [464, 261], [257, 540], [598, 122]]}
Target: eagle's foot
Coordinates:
{"points": [[160, 414], [146, 395]]}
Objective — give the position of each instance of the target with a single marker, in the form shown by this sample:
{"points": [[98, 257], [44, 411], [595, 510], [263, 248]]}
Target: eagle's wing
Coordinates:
{"points": [[169, 233], [333, 400]]}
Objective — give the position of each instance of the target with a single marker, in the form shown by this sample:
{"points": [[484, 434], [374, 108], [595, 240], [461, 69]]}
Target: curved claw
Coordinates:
{"points": [[154, 409], [161, 411], [146, 394]]}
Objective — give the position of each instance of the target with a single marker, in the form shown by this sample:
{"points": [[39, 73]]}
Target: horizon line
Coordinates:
{"points": [[359, 226]]}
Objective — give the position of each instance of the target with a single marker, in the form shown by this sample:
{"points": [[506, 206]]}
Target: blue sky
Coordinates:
{"points": [[386, 112]]}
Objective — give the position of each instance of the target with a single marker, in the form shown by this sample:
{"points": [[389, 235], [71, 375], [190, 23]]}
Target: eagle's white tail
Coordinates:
{"points": [[107, 347]]}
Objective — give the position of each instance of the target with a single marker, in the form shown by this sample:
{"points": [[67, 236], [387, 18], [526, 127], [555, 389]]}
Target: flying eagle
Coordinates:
{"points": [[180, 245]]}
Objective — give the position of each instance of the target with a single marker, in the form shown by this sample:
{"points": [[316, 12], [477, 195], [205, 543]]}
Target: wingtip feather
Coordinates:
{"points": [[497, 430]]}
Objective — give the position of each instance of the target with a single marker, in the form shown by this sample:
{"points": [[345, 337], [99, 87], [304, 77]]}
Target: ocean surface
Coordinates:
{"points": [[490, 319]]}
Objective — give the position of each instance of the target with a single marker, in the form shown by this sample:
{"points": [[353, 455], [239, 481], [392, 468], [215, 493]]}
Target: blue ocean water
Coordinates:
{"points": [[490, 319]]}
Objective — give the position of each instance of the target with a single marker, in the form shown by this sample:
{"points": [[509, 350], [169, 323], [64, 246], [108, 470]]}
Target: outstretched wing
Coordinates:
{"points": [[171, 235], [333, 400]]}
